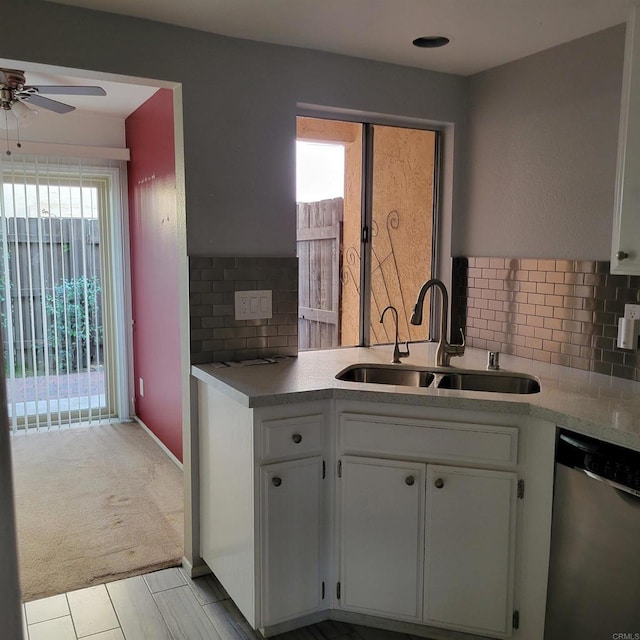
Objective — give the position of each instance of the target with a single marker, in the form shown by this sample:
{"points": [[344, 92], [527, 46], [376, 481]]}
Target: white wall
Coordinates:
{"points": [[10, 616], [543, 135]]}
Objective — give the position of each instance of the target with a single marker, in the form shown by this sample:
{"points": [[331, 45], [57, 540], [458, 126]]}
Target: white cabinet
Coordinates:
{"points": [[427, 542], [381, 540], [470, 549], [625, 253], [291, 504], [263, 504], [461, 547], [334, 509]]}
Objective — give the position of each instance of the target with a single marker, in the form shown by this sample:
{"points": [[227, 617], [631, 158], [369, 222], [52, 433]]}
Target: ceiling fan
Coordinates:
{"points": [[14, 93]]}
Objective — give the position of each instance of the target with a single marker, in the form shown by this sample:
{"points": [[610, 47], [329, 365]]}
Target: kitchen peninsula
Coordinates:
{"points": [[421, 510]]}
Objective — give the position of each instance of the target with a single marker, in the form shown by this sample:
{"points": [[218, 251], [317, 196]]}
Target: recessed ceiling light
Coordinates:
{"points": [[431, 42]]}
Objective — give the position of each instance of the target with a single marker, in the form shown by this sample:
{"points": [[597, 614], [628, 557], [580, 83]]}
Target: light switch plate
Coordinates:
{"points": [[253, 305]]}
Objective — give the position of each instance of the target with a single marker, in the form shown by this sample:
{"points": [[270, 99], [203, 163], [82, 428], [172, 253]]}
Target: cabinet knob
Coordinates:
{"points": [[409, 480], [297, 438], [276, 481], [622, 255], [439, 483]]}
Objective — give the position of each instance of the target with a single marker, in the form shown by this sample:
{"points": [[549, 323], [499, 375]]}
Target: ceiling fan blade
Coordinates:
{"points": [[70, 90], [47, 103]]}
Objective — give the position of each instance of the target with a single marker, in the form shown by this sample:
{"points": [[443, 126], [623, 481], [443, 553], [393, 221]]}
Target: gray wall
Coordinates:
{"points": [[543, 135], [239, 102]]}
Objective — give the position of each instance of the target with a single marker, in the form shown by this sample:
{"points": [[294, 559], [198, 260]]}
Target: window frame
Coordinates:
{"points": [[368, 122]]}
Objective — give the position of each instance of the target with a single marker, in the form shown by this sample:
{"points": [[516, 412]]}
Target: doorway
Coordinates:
{"points": [[366, 229], [101, 185]]}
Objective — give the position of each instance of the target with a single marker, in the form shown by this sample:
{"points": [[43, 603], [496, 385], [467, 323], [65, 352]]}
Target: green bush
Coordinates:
{"points": [[75, 323]]}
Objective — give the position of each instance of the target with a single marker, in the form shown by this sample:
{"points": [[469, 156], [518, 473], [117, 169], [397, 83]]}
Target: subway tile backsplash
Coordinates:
{"points": [[559, 311], [215, 333]]}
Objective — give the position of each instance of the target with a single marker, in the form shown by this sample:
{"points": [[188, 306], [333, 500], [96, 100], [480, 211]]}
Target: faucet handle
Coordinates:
{"points": [[458, 349]]}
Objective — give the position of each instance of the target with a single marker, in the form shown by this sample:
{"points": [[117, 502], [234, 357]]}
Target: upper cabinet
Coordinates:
{"points": [[625, 251]]}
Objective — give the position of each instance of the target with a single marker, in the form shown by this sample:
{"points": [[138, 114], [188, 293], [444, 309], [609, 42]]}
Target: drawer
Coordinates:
{"points": [[437, 440], [292, 437]]}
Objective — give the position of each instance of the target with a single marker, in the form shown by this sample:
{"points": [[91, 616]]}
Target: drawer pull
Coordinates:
{"points": [[297, 438], [439, 483], [409, 480], [276, 481]]}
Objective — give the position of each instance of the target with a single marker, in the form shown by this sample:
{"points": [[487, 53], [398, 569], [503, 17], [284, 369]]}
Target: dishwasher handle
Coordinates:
{"points": [[605, 462], [581, 444], [615, 485]]}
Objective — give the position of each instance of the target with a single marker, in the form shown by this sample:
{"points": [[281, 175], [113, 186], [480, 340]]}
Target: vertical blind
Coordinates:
{"points": [[56, 293]]}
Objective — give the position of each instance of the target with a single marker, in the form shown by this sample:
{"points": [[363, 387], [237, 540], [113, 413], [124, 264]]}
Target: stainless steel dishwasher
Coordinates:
{"points": [[594, 573]]}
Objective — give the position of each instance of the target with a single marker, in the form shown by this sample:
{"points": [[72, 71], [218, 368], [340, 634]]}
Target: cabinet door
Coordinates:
{"points": [[382, 537], [625, 254], [470, 535], [291, 539]]}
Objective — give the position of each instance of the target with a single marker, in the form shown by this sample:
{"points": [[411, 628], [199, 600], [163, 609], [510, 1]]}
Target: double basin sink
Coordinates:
{"points": [[441, 378]]}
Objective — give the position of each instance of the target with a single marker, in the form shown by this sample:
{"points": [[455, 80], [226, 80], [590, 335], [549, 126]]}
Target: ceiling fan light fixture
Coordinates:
{"points": [[17, 116], [431, 42], [24, 115]]}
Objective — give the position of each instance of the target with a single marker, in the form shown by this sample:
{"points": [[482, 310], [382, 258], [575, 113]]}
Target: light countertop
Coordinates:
{"points": [[594, 404]]}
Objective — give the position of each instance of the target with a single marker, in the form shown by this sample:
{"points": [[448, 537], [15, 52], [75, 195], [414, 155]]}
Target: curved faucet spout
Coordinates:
{"points": [[397, 352], [445, 351]]}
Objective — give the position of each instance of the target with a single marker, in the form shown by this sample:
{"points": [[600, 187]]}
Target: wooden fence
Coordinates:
{"points": [[319, 232], [40, 254]]}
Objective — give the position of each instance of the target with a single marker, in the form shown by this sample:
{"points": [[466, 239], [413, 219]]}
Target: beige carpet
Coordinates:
{"points": [[94, 505]]}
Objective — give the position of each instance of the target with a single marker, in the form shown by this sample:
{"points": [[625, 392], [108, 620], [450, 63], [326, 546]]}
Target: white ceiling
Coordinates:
{"points": [[484, 33], [122, 97]]}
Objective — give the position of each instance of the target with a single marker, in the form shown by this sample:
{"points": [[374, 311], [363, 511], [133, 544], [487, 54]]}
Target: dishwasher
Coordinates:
{"points": [[594, 570]]}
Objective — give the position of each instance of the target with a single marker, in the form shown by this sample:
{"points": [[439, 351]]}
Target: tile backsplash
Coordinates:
{"points": [[215, 333], [559, 311]]}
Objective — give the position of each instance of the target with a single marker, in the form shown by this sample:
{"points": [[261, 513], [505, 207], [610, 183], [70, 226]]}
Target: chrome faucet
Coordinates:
{"points": [[397, 353], [445, 351]]}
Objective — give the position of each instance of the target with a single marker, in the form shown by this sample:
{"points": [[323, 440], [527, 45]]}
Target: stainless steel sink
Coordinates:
{"points": [[460, 379], [387, 374], [489, 381]]}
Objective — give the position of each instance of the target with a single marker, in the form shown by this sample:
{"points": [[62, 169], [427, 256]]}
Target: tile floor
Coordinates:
{"points": [[164, 605]]}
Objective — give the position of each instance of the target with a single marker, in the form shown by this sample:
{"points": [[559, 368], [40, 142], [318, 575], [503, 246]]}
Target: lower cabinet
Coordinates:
{"points": [[469, 550], [382, 534], [308, 508], [291, 539], [428, 543]]}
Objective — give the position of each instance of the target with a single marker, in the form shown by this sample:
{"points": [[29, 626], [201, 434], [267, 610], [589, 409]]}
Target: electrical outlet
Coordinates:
{"points": [[632, 311], [253, 305]]}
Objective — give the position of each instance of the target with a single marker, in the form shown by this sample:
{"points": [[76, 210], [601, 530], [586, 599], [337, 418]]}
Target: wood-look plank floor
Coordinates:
{"points": [[164, 605]]}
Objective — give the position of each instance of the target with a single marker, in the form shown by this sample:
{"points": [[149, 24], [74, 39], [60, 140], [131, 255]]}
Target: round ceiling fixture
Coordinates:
{"points": [[431, 42]]}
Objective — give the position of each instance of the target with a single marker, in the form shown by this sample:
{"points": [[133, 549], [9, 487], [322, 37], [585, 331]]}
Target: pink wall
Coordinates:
{"points": [[154, 268]]}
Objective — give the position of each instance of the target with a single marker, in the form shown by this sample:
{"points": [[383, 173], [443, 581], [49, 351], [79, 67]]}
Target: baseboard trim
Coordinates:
{"points": [[159, 442], [195, 571]]}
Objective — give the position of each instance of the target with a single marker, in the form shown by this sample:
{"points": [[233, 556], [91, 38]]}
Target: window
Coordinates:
{"points": [[365, 229]]}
